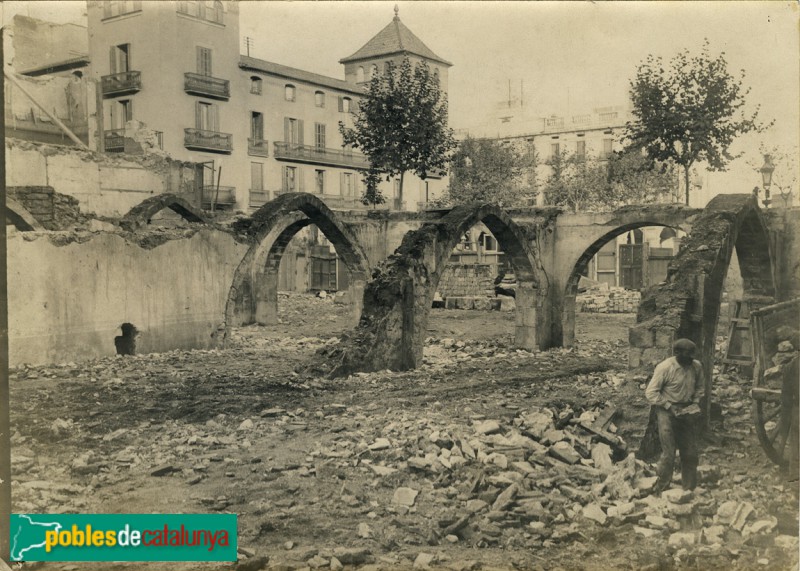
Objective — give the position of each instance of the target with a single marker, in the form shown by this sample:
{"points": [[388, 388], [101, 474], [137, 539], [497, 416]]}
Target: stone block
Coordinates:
{"points": [[405, 497], [665, 338], [565, 452], [641, 336], [595, 513], [654, 356], [682, 539], [507, 304], [634, 358]]}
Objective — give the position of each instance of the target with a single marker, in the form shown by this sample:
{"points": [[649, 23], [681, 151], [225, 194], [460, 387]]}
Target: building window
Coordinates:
{"points": [[580, 149], [290, 179], [121, 112], [256, 126], [387, 67], [120, 58], [360, 74], [319, 135], [256, 176], [293, 131], [347, 184], [488, 242], [319, 99], [206, 116], [373, 71], [205, 10], [319, 181], [255, 85], [608, 147], [289, 92], [120, 8], [555, 150], [203, 61], [345, 104]]}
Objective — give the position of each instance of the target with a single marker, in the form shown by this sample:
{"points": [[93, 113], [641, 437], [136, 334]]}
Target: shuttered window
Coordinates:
{"points": [[256, 176], [319, 135], [293, 131], [206, 116], [203, 61]]}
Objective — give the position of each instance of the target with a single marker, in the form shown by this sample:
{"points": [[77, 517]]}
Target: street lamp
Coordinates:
{"points": [[766, 178]]}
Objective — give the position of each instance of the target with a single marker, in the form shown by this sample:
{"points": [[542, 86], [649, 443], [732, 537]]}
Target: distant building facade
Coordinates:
{"points": [[260, 128]]}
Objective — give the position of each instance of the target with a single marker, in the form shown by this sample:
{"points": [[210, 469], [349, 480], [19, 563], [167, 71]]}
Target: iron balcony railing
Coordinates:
{"points": [[320, 155], [121, 83], [114, 140], [225, 197], [207, 140], [257, 147], [213, 87]]}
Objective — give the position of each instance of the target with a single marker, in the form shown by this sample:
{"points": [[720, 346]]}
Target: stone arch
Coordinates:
{"points": [[687, 304], [624, 220], [398, 299], [141, 214], [19, 216], [253, 296]]}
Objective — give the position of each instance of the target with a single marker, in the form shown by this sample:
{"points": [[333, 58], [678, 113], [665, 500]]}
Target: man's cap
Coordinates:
{"points": [[684, 345]]}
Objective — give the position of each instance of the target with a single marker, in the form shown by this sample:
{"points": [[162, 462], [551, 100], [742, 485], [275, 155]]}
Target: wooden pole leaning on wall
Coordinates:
{"points": [[10, 76]]}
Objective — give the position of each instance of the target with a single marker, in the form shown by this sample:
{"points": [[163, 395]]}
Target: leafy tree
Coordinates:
{"points": [[486, 170], [580, 183], [575, 182], [372, 193], [401, 124], [689, 111], [637, 179]]}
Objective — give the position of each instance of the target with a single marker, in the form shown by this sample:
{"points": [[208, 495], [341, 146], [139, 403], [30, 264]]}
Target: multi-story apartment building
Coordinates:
{"points": [[259, 127], [593, 135]]}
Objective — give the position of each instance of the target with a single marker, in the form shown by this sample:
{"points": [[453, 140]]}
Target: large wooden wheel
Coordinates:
{"points": [[774, 401], [775, 392]]}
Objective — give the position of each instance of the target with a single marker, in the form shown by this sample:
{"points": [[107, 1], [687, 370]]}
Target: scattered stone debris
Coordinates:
{"points": [[470, 462]]}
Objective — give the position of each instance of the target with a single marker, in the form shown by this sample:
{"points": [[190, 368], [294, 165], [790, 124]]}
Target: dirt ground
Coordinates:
{"points": [[317, 469]]}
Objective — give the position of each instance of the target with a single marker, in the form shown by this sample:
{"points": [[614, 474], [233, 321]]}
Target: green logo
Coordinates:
{"points": [[123, 537]]}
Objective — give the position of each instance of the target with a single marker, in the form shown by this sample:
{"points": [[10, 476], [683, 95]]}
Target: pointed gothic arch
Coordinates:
{"points": [[397, 301], [253, 297], [141, 214]]}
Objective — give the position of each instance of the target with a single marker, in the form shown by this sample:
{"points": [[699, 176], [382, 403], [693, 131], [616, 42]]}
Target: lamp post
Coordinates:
{"points": [[766, 178]]}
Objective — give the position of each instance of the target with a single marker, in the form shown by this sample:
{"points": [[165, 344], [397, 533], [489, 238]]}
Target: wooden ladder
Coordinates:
{"points": [[739, 351]]}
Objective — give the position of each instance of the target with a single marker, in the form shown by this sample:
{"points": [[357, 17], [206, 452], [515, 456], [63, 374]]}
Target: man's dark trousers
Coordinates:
{"points": [[681, 433]]}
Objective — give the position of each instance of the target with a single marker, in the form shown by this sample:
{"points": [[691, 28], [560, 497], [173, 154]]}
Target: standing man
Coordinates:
{"points": [[674, 393]]}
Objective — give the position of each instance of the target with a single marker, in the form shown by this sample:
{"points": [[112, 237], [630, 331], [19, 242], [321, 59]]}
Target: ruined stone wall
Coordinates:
{"points": [[104, 185], [52, 210], [68, 294], [608, 300], [467, 280]]}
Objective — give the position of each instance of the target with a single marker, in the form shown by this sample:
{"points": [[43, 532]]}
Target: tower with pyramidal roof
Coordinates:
{"points": [[392, 44]]}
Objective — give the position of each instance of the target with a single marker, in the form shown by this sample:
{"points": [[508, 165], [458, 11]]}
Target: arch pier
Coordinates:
{"points": [[398, 299]]}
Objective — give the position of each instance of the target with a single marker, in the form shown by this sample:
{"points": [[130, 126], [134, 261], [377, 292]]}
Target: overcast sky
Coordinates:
{"points": [[569, 56]]}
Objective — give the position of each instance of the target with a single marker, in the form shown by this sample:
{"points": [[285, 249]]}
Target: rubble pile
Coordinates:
{"points": [[604, 299], [487, 457]]}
